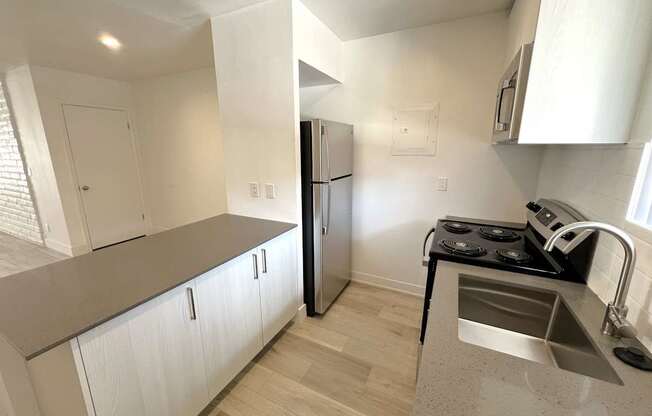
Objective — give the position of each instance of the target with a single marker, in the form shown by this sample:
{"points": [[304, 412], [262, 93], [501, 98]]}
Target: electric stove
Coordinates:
{"points": [[511, 247]]}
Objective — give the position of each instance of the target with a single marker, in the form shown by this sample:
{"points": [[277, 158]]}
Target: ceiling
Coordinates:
{"points": [[63, 34], [168, 36], [353, 19]]}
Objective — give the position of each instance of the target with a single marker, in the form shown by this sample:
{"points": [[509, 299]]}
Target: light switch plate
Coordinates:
{"points": [[270, 191], [442, 183], [254, 190]]}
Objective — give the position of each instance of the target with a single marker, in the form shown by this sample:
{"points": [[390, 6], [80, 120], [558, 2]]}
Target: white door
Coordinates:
{"points": [[105, 162], [148, 361], [278, 283], [228, 309]]}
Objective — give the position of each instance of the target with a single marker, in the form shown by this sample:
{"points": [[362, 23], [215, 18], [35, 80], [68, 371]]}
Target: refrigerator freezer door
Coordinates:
{"points": [[332, 145], [335, 214]]}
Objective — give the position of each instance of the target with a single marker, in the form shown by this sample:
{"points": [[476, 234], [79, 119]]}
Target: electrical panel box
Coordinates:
{"points": [[415, 131]]}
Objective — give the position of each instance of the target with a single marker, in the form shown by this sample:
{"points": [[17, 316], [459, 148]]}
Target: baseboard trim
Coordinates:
{"points": [[80, 249], [155, 229], [301, 314], [58, 246], [66, 249], [386, 283]]}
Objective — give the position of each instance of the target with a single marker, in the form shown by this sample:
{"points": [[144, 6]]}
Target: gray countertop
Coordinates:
{"points": [[456, 378], [44, 307]]}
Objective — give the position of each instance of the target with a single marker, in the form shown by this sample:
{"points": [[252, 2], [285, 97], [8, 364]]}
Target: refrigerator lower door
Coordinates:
{"points": [[333, 216]]}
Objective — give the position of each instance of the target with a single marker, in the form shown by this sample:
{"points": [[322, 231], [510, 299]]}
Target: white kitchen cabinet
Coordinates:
{"points": [[173, 354], [167, 338], [109, 363], [148, 361], [586, 73], [278, 283], [228, 308]]}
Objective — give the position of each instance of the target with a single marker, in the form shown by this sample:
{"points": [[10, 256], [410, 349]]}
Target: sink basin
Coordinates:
{"points": [[532, 324]]}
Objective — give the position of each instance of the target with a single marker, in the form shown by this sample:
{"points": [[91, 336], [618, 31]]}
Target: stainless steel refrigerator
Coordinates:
{"points": [[327, 180]]}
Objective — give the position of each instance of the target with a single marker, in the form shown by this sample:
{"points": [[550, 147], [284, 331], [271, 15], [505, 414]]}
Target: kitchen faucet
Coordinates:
{"points": [[615, 323]]}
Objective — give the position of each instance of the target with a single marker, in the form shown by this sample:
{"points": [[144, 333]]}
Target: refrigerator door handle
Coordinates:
{"points": [[328, 209], [324, 138]]}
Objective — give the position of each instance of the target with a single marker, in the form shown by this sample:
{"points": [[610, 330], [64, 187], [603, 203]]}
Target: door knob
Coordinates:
{"points": [[85, 188]]}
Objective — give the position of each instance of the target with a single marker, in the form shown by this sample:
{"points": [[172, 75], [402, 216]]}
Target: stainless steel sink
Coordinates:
{"points": [[532, 324]]}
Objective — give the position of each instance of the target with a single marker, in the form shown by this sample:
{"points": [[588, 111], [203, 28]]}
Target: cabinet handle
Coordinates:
{"points": [[191, 303], [255, 258], [264, 253]]}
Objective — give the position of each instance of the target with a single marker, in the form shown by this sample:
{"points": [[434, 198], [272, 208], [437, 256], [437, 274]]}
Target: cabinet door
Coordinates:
{"points": [[278, 283], [147, 361], [228, 307], [587, 68]]}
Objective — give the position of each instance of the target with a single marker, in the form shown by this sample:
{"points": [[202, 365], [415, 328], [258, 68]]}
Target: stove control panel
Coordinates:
{"points": [[533, 206], [569, 236], [552, 215], [545, 216]]}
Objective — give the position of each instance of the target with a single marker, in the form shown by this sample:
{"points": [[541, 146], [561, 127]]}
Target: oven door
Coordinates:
{"points": [[511, 97], [430, 283], [430, 263]]}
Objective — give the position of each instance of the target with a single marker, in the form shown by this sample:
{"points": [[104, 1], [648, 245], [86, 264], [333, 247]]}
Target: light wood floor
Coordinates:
{"points": [[17, 255], [358, 359]]}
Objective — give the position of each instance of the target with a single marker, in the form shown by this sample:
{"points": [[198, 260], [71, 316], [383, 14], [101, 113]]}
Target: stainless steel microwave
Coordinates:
{"points": [[511, 97]]}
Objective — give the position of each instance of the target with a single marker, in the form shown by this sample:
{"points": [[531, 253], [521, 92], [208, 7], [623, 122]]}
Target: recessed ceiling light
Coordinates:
{"points": [[110, 41]]}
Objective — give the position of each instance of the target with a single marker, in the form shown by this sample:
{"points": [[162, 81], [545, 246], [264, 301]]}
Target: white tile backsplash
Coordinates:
{"points": [[598, 181], [644, 260]]}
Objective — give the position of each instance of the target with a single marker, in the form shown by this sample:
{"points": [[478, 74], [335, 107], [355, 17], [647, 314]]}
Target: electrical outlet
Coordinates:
{"points": [[442, 183], [254, 190], [270, 191]]}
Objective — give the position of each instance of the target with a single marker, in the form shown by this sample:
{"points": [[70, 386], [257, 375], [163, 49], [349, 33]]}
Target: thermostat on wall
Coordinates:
{"points": [[415, 131]]}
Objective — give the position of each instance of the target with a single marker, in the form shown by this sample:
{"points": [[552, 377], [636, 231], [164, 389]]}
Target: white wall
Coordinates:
{"points": [[522, 25], [37, 157], [181, 146], [256, 89], [457, 65], [180, 155], [53, 89], [314, 43]]}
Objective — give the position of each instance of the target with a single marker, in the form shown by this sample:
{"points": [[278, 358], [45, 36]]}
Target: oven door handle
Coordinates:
{"points": [[426, 259]]}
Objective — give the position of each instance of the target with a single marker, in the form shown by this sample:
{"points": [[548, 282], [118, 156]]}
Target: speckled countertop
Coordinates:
{"points": [[456, 378], [44, 307]]}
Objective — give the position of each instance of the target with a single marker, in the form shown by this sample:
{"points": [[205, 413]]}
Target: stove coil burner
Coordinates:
{"points": [[498, 234], [513, 256], [464, 248], [457, 227]]}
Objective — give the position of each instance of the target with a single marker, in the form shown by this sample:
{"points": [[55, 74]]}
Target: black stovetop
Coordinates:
{"points": [[519, 242]]}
